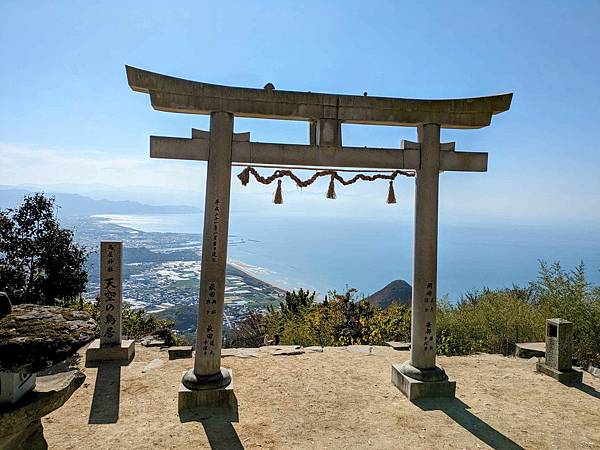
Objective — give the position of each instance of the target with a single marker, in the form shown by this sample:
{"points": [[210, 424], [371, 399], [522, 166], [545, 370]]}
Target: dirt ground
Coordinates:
{"points": [[334, 399]]}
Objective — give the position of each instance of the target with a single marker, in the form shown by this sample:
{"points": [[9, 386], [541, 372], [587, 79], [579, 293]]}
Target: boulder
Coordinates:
{"points": [[21, 425], [34, 337]]}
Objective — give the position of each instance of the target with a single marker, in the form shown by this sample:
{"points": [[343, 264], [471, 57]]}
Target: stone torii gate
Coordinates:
{"points": [[207, 382]]}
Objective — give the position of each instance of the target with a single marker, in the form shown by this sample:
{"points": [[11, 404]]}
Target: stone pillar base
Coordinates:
{"points": [[415, 389], [567, 376], [219, 398], [97, 353]]}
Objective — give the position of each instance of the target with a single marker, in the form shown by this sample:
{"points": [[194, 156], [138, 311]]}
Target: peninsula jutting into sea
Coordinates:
{"points": [[161, 274]]}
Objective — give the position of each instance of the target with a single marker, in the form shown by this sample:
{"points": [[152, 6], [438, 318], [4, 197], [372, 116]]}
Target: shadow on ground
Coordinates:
{"points": [[107, 392], [584, 388], [217, 424], [459, 412]]}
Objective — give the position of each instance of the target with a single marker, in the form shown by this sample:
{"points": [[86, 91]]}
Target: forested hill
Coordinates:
{"points": [[398, 291]]}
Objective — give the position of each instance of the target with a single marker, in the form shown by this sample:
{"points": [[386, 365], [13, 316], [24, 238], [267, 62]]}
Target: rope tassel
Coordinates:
{"points": [[391, 194], [331, 190], [278, 199], [244, 176]]}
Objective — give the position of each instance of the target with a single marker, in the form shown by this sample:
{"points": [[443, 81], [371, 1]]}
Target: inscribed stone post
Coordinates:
{"points": [[208, 384], [109, 303], [110, 346], [559, 352], [420, 377]]}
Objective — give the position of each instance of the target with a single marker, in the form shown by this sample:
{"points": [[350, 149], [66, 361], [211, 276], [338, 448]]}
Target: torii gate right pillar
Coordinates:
{"points": [[420, 377]]}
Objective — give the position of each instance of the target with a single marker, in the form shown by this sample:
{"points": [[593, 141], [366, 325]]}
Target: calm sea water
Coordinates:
{"points": [[326, 254]]}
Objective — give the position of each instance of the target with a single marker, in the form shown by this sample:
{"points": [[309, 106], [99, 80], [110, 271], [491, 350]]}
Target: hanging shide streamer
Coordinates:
{"points": [[244, 177], [278, 199], [391, 194], [331, 190]]}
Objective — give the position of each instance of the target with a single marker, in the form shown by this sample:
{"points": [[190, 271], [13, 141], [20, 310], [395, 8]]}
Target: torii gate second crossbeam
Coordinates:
{"points": [[207, 383]]}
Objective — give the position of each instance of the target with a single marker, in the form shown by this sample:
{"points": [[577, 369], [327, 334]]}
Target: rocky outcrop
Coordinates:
{"points": [[21, 425], [34, 337]]}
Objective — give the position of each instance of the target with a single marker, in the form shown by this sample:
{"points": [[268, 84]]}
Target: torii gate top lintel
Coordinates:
{"points": [[173, 94]]}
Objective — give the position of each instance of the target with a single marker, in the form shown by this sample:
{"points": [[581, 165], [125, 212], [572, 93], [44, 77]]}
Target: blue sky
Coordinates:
{"points": [[67, 115]]}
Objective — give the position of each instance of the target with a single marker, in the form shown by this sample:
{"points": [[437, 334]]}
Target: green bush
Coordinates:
{"points": [[136, 324], [341, 319], [40, 262], [494, 321], [491, 321]]}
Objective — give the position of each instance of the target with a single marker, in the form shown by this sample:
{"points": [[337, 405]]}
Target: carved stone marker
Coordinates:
{"points": [[110, 347], [559, 352]]}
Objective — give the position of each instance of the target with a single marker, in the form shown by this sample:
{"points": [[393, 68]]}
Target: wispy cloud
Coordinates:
{"points": [[28, 165]]}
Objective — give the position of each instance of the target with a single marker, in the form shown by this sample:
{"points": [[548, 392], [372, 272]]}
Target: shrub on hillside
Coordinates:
{"points": [[491, 321], [39, 261], [341, 319], [494, 321], [136, 323]]}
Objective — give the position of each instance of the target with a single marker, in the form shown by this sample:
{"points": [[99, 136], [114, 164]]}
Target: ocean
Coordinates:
{"points": [[331, 254]]}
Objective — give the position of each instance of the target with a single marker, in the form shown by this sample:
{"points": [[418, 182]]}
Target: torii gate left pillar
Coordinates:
{"points": [[207, 383]]}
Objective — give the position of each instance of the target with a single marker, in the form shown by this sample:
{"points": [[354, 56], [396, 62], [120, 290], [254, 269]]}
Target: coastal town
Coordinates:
{"points": [[161, 273]]}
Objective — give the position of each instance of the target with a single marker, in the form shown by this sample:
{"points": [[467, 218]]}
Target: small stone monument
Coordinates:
{"points": [[180, 352], [110, 346], [559, 351]]}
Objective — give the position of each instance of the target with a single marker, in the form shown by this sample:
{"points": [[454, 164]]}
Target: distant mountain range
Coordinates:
{"points": [[79, 205], [398, 291]]}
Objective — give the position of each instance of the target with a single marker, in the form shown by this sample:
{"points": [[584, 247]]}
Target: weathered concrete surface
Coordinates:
{"points": [[564, 376], [415, 389], [400, 346], [122, 352], [150, 341], [530, 349], [178, 95], [206, 399], [239, 352], [414, 376], [180, 352], [196, 149], [559, 344], [282, 350], [207, 359], [21, 426], [35, 337]]}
